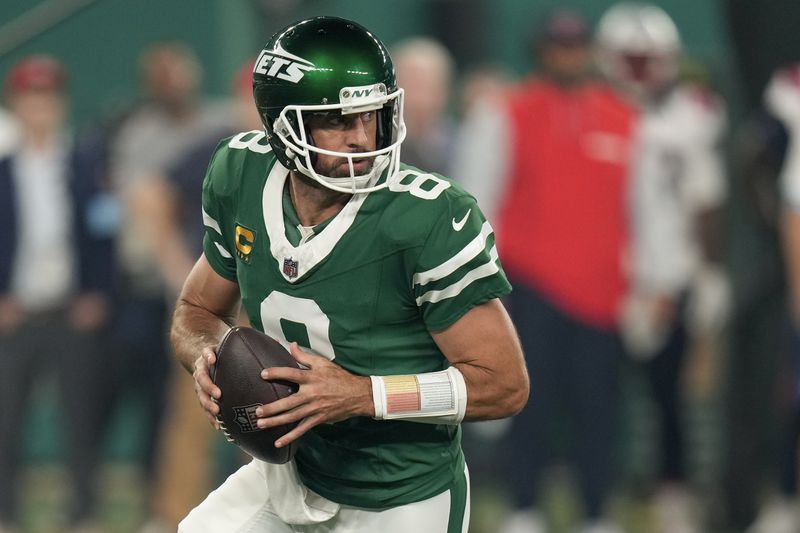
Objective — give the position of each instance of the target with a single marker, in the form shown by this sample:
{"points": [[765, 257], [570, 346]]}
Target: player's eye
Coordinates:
{"points": [[326, 120], [335, 120]]}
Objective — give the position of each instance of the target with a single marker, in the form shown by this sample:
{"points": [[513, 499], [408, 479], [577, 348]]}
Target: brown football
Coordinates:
{"points": [[241, 356]]}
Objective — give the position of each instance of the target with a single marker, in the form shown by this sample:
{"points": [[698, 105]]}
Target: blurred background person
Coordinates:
{"points": [[679, 289], [759, 378], [778, 499], [55, 279], [549, 169], [424, 70], [9, 132], [483, 84], [170, 211], [167, 200], [152, 136]]}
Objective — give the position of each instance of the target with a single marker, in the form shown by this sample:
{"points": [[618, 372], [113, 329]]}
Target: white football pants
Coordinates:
{"points": [[242, 505]]}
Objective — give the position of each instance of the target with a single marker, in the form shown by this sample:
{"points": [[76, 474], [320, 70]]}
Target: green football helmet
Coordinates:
{"points": [[329, 64]]}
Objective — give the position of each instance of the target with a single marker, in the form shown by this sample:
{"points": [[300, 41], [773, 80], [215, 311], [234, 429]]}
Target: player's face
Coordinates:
{"points": [[352, 133]]}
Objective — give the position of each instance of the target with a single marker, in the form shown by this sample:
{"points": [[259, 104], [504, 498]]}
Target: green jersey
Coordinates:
{"points": [[364, 289]]}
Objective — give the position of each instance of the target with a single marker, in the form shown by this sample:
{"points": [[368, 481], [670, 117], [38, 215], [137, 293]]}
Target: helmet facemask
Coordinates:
{"points": [[292, 132]]}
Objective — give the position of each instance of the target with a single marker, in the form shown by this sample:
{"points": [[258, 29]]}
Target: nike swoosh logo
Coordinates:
{"points": [[458, 226]]}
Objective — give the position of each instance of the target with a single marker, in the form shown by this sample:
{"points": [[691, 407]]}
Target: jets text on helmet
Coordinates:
{"points": [[282, 65]]}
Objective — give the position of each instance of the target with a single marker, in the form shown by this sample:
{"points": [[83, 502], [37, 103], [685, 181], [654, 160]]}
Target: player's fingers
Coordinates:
{"points": [[207, 403], [203, 379], [210, 407], [285, 373], [305, 358], [206, 359], [280, 406], [209, 355], [286, 417], [299, 431]]}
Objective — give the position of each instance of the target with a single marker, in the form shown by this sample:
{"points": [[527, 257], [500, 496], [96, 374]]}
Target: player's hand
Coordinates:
{"points": [[645, 320], [710, 300], [207, 392], [327, 393]]}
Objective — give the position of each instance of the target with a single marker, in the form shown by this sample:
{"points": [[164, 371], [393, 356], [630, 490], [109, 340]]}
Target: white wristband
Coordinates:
{"points": [[433, 397]]}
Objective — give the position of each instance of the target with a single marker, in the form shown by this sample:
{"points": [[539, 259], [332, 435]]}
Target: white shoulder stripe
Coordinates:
{"points": [[483, 271], [210, 222], [473, 248], [222, 251]]}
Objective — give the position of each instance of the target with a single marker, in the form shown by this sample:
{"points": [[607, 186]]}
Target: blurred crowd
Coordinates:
{"points": [[607, 176]]}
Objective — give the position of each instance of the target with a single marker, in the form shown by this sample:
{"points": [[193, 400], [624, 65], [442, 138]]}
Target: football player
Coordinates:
{"points": [[780, 510], [382, 279], [679, 290]]}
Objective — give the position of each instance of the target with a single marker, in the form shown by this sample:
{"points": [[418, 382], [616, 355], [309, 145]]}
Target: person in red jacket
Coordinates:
{"points": [[549, 169]]}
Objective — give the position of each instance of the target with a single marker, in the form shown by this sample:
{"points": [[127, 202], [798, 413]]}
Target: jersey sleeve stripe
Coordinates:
{"points": [[222, 251], [210, 222], [473, 248], [483, 271]]}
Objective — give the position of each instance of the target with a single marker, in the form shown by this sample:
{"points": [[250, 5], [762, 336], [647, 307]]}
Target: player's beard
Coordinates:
{"points": [[340, 168], [317, 192]]}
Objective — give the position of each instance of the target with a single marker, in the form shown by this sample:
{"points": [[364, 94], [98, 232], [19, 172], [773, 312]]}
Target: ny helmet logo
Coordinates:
{"points": [[362, 98], [357, 93]]}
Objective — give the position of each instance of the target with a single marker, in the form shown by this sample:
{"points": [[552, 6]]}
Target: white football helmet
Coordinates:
{"points": [[638, 47]]}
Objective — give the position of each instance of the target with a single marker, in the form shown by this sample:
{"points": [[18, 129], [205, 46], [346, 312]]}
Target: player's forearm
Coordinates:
{"points": [[494, 393], [193, 329], [484, 347]]}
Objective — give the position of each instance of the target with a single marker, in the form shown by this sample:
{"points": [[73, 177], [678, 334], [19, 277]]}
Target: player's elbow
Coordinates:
{"points": [[513, 389], [518, 386], [518, 394]]}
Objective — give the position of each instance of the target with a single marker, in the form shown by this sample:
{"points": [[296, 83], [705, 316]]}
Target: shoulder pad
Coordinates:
{"points": [[416, 200], [236, 156]]}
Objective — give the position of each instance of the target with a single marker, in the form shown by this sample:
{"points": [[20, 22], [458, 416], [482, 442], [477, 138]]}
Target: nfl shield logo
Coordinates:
{"points": [[290, 268], [246, 417]]}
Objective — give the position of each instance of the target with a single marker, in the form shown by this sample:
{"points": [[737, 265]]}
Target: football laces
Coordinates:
{"points": [[224, 429]]}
